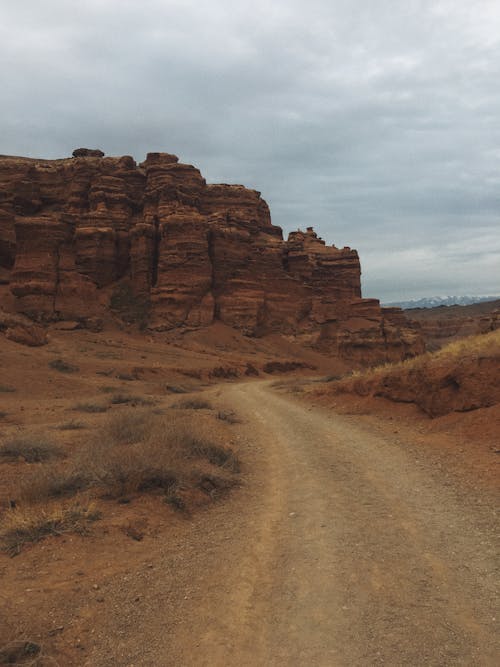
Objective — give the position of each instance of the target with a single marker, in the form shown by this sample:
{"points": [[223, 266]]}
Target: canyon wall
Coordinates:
{"points": [[154, 242]]}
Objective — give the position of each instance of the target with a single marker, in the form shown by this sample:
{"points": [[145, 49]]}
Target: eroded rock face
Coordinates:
{"points": [[74, 230]]}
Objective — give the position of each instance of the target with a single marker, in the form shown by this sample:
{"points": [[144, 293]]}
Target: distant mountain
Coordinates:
{"points": [[435, 301]]}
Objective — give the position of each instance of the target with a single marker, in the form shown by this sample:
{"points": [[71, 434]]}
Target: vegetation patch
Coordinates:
{"points": [[5, 389], [30, 448], [459, 377], [91, 408], [63, 366], [223, 457], [71, 425], [176, 389], [122, 399], [193, 404], [127, 427], [228, 417], [20, 652], [49, 483], [32, 524]]}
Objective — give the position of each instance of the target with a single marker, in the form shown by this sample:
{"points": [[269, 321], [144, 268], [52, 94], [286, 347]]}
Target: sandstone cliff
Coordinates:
{"points": [[159, 245]]}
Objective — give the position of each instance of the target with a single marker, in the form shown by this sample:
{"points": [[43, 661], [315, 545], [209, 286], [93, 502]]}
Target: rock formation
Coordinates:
{"points": [[159, 245]]}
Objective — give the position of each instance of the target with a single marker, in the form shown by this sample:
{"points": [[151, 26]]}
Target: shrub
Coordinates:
{"points": [[63, 366], [90, 407], [126, 427], [32, 448], [193, 404], [215, 454], [72, 425], [228, 417], [32, 524], [53, 483], [4, 389], [176, 389], [121, 399]]}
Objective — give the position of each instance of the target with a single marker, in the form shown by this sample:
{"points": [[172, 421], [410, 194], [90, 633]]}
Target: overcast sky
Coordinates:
{"points": [[375, 121]]}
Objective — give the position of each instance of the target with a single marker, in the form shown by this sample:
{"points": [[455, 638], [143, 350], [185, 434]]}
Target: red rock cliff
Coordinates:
{"points": [[73, 231]]}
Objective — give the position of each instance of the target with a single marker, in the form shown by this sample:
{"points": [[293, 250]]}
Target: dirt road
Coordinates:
{"points": [[342, 548]]}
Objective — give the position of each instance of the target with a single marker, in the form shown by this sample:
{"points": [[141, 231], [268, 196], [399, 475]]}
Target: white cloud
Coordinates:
{"points": [[377, 122]]}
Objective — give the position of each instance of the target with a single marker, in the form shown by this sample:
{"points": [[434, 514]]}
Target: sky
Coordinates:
{"points": [[377, 122]]}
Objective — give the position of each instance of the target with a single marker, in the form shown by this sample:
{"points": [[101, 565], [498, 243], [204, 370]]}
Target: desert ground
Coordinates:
{"points": [[292, 525]]}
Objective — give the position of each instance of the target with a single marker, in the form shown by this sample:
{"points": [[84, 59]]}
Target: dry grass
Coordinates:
{"points": [[31, 524], [126, 427], [32, 448], [71, 425], [5, 389], [193, 404], [135, 451], [228, 417], [52, 482], [480, 346], [92, 408], [63, 366], [460, 377], [123, 399]]}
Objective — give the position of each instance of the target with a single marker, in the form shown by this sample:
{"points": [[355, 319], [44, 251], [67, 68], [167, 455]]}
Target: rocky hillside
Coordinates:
{"points": [[461, 377], [162, 248], [445, 324]]}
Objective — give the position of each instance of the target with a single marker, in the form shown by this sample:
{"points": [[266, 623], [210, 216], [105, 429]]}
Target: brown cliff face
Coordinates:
{"points": [[78, 235]]}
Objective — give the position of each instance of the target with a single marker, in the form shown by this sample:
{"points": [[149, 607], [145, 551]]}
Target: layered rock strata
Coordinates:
{"points": [[184, 253]]}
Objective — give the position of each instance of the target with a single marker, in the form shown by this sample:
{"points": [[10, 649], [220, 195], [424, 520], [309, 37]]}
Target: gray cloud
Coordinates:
{"points": [[375, 122]]}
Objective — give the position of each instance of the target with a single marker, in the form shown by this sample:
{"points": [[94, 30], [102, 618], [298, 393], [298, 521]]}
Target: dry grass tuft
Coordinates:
{"points": [[92, 408], [135, 451], [31, 524], [32, 448], [223, 457], [63, 366], [22, 652], [228, 417], [126, 427], [71, 425], [123, 399], [193, 404], [53, 482]]}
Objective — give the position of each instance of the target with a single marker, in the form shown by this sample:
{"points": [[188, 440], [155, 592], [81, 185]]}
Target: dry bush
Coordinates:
{"points": [[4, 389], [71, 425], [223, 457], [108, 389], [123, 399], [52, 482], [33, 448], [92, 408], [22, 652], [31, 524], [63, 366], [3, 414], [126, 427], [136, 451], [193, 404], [228, 417], [176, 389]]}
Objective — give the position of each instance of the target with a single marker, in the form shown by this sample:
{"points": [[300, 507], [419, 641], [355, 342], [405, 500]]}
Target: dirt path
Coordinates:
{"points": [[342, 548]]}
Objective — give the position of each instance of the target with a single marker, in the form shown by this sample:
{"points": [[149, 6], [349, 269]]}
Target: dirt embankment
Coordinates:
{"points": [[461, 377]]}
